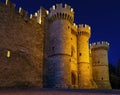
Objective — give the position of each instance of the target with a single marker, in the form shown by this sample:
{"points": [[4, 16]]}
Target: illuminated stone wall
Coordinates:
{"points": [[73, 61], [84, 67], [24, 39], [59, 48], [99, 53], [49, 49]]}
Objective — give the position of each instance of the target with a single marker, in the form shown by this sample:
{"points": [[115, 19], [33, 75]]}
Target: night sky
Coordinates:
{"points": [[102, 15]]}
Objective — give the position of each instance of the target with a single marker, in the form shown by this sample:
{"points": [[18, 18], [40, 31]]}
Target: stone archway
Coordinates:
{"points": [[73, 79]]}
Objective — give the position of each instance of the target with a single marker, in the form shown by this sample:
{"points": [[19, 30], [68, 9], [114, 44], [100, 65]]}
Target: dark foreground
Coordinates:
{"points": [[57, 92]]}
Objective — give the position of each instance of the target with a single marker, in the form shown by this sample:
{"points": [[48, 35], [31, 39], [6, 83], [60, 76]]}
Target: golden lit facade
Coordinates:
{"points": [[68, 54], [53, 49]]}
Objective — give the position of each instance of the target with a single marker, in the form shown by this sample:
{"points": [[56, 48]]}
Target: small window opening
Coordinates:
{"points": [[70, 60], [80, 54], [68, 27], [53, 48], [72, 51], [98, 62], [102, 78], [8, 54]]}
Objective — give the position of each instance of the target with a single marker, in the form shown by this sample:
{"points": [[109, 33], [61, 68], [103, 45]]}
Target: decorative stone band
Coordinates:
{"points": [[83, 63], [58, 54], [98, 45], [100, 65]]}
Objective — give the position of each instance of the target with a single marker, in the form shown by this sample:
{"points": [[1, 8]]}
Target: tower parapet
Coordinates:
{"points": [[84, 29], [74, 28], [40, 15], [59, 52], [7, 1], [83, 58], [99, 45], [99, 53], [61, 12]]}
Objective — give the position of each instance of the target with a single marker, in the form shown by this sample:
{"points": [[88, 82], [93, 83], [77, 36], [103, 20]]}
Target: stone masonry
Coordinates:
{"points": [[48, 49]]}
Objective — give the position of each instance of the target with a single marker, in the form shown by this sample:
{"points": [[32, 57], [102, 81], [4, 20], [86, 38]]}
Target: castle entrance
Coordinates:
{"points": [[73, 80]]}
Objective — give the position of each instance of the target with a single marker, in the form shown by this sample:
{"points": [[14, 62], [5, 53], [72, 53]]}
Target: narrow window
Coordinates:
{"points": [[8, 54], [98, 62], [73, 79], [72, 51], [80, 54], [53, 48], [68, 27], [102, 78]]}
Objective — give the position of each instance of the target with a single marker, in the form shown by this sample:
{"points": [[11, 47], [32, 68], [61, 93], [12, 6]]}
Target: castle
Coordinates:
{"points": [[49, 50]]}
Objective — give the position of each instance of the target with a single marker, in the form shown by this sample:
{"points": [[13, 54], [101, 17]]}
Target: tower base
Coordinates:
{"points": [[103, 84], [85, 78], [88, 85]]}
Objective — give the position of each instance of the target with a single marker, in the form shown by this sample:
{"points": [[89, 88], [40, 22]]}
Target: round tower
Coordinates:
{"points": [[99, 53], [59, 49], [85, 79]]}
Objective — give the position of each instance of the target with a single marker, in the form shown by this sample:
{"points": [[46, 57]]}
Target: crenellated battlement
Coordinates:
{"points": [[98, 45], [7, 2], [10, 4], [22, 12], [74, 28], [50, 37], [60, 6], [84, 29], [41, 13], [61, 12], [84, 26]]}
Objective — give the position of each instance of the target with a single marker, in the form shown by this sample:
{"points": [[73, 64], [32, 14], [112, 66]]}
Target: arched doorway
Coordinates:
{"points": [[73, 80]]}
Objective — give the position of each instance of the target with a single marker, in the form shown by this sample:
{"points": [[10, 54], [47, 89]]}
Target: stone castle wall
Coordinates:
{"points": [[24, 39], [48, 50], [100, 64], [73, 61], [84, 66], [60, 50]]}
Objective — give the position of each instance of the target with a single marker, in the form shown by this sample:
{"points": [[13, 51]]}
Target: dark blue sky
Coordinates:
{"points": [[102, 15]]}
